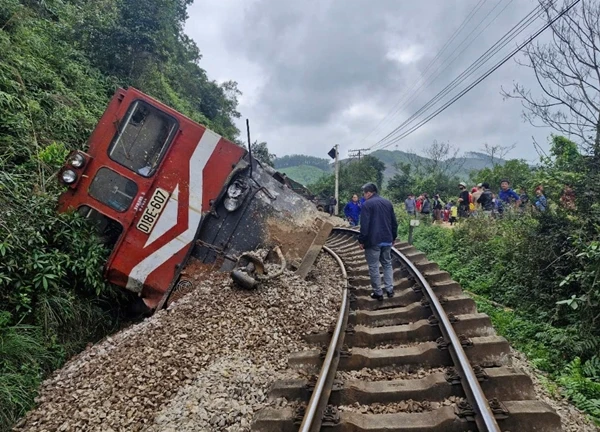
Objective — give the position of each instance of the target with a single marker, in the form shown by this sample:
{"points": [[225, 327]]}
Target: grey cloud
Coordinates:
{"points": [[319, 58]]}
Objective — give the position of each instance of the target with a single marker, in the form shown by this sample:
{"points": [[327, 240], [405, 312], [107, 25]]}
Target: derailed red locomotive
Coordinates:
{"points": [[163, 189]]}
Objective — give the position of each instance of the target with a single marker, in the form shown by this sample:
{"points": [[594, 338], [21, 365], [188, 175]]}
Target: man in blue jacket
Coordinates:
{"points": [[378, 231], [352, 210], [507, 195]]}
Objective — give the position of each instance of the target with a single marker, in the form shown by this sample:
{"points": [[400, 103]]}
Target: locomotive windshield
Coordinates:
{"points": [[112, 189], [143, 138]]}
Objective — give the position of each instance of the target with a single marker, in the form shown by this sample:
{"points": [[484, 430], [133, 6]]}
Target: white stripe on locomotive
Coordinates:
{"points": [[199, 159]]}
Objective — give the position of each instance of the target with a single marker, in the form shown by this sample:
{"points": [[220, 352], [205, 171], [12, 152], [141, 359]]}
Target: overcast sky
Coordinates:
{"points": [[319, 72]]}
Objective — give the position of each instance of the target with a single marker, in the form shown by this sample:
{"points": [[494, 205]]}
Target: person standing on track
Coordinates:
{"points": [[378, 231]]}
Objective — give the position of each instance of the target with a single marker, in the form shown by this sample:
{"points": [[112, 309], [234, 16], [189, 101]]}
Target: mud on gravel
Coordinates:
{"points": [[205, 364]]}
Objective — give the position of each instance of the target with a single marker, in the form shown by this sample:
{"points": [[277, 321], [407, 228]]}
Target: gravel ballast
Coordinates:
{"points": [[206, 363], [572, 419], [406, 406], [387, 373]]}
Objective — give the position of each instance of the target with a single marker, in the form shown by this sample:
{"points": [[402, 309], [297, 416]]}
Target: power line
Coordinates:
{"points": [[477, 64], [427, 81], [429, 65], [470, 87]]}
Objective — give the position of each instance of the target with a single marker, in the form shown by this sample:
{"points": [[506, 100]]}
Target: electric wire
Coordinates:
{"points": [[508, 37], [477, 64], [480, 79], [402, 98], [444, 66]]}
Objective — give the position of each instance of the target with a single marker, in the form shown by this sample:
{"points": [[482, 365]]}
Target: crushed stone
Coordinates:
{"points": [[387, 373], [205, 363], [405, 406], [572, 419]]}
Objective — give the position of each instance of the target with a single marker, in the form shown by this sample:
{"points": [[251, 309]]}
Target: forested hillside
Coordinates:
{"points": [[305, 174], [309, 170], [462, 166], [60, 62], [298, 160]]}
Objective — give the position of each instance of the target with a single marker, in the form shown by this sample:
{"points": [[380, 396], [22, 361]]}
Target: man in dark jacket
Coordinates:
{"points": [[332, 203], [378, 231], [486, 200], [463, 200]]}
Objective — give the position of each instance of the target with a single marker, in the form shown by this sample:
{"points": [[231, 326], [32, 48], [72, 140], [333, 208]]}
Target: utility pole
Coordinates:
{"points": [[356, 153], [337, 177]]}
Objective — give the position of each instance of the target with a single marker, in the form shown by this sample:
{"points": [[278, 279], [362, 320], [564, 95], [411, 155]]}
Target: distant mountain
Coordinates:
{"points": [[299, 160], [308, 169], [305, 174], [470, 161]]}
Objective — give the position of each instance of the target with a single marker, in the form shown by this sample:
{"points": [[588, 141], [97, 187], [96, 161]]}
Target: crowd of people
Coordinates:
{"points": [[479, 200], [379, 227]]}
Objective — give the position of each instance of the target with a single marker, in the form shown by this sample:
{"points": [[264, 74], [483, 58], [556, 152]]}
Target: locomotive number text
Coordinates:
{"points": [[155, 206]]}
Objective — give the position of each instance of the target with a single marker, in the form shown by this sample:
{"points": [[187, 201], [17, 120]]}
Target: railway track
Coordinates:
{"points": [[424, 360]]}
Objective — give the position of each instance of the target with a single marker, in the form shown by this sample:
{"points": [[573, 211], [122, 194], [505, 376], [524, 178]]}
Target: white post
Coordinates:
{"points": [[337, 174]]}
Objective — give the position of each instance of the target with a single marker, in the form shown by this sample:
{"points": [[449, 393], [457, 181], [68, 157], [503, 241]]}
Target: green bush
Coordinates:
{"points": [[530, 264], [23, 357]]}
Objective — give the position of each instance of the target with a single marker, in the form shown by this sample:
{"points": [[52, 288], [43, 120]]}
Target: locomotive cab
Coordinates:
{"points": [[147, 178]]}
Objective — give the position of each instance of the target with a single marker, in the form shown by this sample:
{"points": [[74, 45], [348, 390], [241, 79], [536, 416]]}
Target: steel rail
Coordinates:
{"points": [[318, 401], [486, 420]]}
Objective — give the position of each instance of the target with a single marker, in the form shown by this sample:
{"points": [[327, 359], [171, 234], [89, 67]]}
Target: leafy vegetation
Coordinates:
{"points": [[544, 266], [260, 151], [61, 62]]}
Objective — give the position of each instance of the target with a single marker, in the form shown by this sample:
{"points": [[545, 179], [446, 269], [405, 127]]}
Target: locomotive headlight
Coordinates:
{"points": [[234, 190], [69, 176], [231, 204], [77, 161]]}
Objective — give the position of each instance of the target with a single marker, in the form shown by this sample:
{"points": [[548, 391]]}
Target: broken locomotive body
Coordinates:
{"points": [[164, 191]]}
